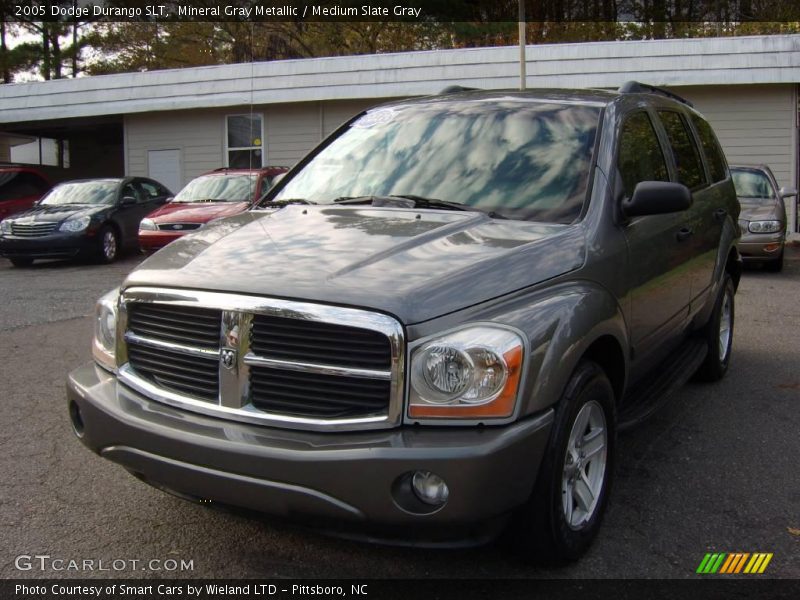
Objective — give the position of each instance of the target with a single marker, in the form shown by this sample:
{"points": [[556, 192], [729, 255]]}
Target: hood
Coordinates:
{"points": [[58, 213], [196, 212], [760, 210], [415, 265]]}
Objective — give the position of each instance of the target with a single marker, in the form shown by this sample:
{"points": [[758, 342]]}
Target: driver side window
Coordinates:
{"points": [[130, 190], [640, 157]]}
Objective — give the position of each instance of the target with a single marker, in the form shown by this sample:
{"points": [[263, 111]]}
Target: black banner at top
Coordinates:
{"points": [[413, 11]]}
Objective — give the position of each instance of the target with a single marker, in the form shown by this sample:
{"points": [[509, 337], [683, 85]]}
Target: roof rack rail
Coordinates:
{"points": [[634, 87], [454, 89]]}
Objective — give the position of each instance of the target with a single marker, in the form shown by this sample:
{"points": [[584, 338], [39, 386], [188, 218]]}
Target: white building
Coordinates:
{"points": [[175, 124]]}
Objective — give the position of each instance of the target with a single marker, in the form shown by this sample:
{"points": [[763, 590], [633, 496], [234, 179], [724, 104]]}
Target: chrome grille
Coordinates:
{"points": [[274, 362], [178, 226], [32, 229]]}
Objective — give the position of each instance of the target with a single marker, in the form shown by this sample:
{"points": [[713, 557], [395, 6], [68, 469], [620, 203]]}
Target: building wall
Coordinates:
{"points": [[755, 124], [290, 131]]}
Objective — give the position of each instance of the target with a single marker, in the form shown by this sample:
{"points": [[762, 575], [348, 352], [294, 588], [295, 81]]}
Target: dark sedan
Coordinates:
{"points": [[89, 217], [763, 217]]}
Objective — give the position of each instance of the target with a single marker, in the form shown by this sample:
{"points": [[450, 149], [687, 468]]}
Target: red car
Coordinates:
{"points": [[217, 194], [20, 188]]}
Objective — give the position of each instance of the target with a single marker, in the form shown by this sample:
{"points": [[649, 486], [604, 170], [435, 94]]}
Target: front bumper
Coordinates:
{"points": [[155, 240], [345, 482], [57, 245], [761, 246]]}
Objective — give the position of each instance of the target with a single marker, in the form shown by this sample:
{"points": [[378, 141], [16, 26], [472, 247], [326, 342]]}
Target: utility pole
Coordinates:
{"points": [[522, 66]]}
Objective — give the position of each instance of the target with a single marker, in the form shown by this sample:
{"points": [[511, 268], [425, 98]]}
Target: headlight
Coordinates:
{"points": [[471, 373], [5, 226], [147, 225], [765, 226], [105, 330], [75, 225]]}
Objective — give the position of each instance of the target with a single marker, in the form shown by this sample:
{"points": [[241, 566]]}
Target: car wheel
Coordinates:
{"points": [[719, 334], [21, 262], [566, 508], [775, 265], [107, 245]]}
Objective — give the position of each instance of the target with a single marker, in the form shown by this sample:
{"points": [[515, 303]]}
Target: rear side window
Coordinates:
{"points": [[716, 159], [687, 156], [640, 156], [14, 185]]}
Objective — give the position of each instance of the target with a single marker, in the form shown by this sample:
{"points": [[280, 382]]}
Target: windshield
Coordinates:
{"points": [[752, 184], [218, 188], [519, 160], [82, 192]]}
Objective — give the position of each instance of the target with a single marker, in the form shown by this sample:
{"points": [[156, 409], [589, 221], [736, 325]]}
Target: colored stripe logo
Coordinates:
{"points": [[736, 562]]}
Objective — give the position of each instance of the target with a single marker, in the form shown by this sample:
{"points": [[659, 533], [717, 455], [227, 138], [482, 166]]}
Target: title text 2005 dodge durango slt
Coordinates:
{"points": [[435, 324]]}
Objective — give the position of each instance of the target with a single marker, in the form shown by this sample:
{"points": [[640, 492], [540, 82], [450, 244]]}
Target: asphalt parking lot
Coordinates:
{"points": [[714, 471]]}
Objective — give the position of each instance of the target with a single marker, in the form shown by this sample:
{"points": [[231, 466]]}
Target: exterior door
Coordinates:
{"points": [[165, 167], [659, 282]]}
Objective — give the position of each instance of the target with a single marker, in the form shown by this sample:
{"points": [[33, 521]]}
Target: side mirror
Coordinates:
{"points": [[785, 192], [128, 201], [657, 198]]}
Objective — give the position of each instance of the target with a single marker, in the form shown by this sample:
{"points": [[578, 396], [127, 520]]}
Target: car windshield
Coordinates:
{"points": [[519, 160], [751, 183], [82, 192], [218, 188]]}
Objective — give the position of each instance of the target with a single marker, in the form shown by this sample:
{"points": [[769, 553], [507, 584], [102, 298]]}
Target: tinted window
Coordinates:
{"points": [[687, 156], [14, 185], [519, 159], [714, 154], [640, 156], [150, 189], [130, 191]]}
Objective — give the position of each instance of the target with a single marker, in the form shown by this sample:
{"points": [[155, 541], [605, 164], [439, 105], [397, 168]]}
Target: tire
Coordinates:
{"points": [[107, 249], [21, 262], [776, 265], [558, 524], [718, 334]]}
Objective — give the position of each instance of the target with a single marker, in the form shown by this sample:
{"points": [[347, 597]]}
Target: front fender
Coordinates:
{"points": [[561, 323]]}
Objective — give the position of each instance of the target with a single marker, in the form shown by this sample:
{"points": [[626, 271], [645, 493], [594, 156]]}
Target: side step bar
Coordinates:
{"points": [[652, 392]]}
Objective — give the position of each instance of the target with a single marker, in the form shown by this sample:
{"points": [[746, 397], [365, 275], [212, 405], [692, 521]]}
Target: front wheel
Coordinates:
{"points": [[566, 508], [21, 262], [107, 245], [775, 265], [718, 334]]}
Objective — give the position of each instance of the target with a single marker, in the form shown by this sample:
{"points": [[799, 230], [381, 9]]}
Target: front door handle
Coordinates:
{"points": [[720, 214], [683, 234]]}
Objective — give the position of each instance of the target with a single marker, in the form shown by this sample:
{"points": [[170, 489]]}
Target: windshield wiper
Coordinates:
{"points": [[280, 203], [418, 202]]}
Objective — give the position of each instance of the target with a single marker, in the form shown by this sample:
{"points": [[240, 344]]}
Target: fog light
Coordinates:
{"points": [[430, 488], [771, 247]]}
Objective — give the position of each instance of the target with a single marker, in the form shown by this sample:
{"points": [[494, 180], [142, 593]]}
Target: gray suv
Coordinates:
{"points": [[435, 324]]}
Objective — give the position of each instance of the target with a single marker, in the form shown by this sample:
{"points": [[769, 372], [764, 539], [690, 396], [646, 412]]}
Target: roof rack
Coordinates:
{"points": [[454, 89], [634, 87]]}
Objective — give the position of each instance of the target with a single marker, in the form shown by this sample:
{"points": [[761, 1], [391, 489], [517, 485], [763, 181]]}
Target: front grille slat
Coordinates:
{"points": [[315, 395], [185, 325], [325, 343]]}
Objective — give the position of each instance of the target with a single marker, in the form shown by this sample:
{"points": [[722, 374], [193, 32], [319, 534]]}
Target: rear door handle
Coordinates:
{"points": [[720, 214], [683, 233]]}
